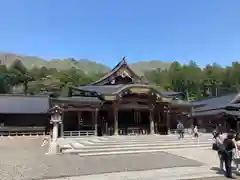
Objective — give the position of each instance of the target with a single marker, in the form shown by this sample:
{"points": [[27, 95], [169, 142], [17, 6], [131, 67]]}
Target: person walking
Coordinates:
{"points": [[236, 155], [180, 129], [219, 147], [195, 132], [229, 146]]}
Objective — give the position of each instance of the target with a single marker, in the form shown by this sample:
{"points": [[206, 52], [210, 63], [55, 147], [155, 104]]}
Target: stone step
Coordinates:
{"points": [[96, 146], [137, 137], [148, 136], [143, 141], [64, 144], [100, 153], [134, 144], [117, 149]]}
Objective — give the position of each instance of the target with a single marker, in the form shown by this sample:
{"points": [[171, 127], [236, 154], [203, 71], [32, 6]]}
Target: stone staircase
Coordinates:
{"points": [[90, 146]]}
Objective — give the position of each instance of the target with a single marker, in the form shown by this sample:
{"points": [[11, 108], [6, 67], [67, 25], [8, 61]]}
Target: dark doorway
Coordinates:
{"points": [[70, 121], [133, 121]]}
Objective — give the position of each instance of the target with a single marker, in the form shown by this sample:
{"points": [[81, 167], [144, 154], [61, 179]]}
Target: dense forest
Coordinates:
{"points": [[196, 83]]}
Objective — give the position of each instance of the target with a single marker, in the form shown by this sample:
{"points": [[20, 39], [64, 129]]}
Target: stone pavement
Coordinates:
{"points": [[213, 178], [177, 173], [91, 146], [23, 158], [205, 156], [208, 169]]}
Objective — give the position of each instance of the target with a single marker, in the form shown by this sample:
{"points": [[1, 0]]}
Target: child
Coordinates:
{"points": [[195, 132]]}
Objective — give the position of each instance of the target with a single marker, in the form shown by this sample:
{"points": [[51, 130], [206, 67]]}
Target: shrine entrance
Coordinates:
{"points": [[133, 121]]}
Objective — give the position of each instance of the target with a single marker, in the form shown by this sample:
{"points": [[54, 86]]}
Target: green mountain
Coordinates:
{"points": [[141, 67], [61, 64], [85, 65]]}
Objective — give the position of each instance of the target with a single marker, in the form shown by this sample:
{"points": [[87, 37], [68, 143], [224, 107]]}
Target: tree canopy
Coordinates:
{"points": [[195, 82], [198, 83]]}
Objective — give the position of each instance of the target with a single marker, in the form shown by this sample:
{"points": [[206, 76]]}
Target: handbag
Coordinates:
{"points": [[215, 147]]}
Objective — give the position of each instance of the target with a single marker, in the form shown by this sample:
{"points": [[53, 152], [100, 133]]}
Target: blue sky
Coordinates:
{"points": [[105, 30]]}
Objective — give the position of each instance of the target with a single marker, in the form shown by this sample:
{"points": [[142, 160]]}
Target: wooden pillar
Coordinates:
{"points": [[151, 122], [191, 117], [238, 123], [62, 126], [96, 121], [167, 119], [139, 116], [135, 116], [115, 115], [79, 116], [158, 120]]}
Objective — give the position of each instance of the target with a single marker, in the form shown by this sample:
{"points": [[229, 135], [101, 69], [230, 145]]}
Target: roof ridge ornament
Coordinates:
{"points": [[124, 59], [121, 66]]}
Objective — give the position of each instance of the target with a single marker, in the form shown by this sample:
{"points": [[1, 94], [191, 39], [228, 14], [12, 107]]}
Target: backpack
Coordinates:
{"points": [[180, 126]]}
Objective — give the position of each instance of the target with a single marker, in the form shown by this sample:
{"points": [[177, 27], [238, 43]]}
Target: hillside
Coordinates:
{"points": [[141, 67], [61, 64], [86, 65]]}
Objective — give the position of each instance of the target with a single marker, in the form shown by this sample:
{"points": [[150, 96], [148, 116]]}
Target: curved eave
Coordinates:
{"points": [[208, 113], [216, 112], [78, 101], [236, 99], [178, 103]]}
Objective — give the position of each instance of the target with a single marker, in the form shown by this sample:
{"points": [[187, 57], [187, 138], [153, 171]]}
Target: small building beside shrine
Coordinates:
{"points": [[24, 115], [218, 113]]}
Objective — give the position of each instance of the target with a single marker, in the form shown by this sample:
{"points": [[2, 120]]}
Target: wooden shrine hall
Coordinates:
{"points": [[121, 103]]}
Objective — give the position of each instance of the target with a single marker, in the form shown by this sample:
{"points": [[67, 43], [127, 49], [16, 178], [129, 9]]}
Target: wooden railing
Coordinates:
{"points": [[35, 133], [187, 131], [78, 133], [132, 131], [23, 131]]}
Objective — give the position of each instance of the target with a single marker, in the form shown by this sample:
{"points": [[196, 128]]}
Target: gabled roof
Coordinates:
{"points": [[122, 64], [216, 112], [217, 102], [111, 89], [105, 89], [207, 113], [115, 89], [77, 100], [186, 103], [21, 104]]}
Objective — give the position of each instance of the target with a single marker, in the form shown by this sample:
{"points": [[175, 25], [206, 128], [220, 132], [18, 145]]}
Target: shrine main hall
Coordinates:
{"points": [[119, 103]]}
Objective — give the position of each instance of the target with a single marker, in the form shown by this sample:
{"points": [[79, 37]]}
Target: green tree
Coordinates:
{"points": [[21, 74]]}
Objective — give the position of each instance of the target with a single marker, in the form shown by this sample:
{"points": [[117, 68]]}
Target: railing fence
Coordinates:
{"points": [[78, 133], [24, 133]]}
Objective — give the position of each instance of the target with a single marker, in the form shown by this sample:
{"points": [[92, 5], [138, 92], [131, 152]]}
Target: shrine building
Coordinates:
{"points": [[119, 103]]}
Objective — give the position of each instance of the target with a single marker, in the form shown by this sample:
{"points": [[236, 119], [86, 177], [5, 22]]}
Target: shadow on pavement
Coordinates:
{"points": [[217, 170]]}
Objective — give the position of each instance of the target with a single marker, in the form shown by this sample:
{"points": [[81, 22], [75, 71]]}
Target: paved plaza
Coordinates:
{"points": [[23, 158]]}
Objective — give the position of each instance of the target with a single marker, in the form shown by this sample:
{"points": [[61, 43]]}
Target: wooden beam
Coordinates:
{"points": [[79, 109], [115, 114], [110, 98], [133, 99]]}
